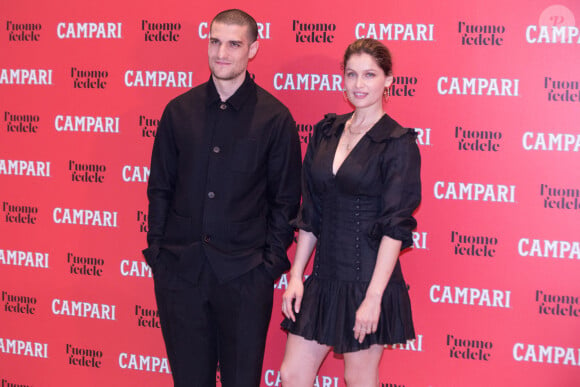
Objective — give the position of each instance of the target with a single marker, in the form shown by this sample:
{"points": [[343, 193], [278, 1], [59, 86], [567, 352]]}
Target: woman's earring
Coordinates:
{"points": [[387, 94], [344, 95]]}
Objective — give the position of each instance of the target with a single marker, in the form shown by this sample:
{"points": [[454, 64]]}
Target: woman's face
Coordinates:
{"points": [[365, 81]]}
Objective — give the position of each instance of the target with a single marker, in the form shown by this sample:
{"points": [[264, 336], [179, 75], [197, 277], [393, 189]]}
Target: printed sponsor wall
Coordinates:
{"points": [[492, 87]]}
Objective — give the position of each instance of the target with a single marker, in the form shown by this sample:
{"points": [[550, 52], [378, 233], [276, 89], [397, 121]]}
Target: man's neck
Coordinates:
{"points": [[227, 88]]}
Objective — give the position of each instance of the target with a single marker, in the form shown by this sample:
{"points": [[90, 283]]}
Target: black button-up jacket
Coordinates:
{"points": [[224, 183]]}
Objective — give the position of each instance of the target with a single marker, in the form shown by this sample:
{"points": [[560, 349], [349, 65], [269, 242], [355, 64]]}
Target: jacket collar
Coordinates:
{"points": [[238, 99]]}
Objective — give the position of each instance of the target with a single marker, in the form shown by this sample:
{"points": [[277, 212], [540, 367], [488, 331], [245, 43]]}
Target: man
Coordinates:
{"points": [[224, 182]]}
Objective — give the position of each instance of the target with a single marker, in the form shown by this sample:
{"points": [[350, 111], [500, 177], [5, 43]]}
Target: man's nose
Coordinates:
{"points": [[222, 51]]}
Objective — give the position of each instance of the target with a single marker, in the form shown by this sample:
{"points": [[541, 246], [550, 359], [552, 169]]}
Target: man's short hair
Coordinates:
{"points": [[240, 18]]}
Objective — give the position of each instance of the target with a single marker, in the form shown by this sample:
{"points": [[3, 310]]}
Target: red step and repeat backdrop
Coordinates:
{"points": [[491, 86]]}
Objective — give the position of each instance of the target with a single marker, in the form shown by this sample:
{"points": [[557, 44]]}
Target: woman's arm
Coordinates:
{"points": [[367, 315], [295, 289]]}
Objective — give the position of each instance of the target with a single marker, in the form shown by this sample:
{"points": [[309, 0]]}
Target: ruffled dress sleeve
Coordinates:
{"points": [[401, 193], [308, 218]]}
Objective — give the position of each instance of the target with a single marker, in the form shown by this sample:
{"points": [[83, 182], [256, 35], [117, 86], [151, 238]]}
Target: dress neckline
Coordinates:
{"points": [[342, 128]]}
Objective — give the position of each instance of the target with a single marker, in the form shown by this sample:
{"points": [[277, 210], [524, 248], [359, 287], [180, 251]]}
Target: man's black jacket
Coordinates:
{"points": [[224, 183]]}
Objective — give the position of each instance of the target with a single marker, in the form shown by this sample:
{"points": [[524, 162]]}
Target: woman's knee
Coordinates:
{"points": [[291, 374]]}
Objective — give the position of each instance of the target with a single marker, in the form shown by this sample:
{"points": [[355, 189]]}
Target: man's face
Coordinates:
{"points": [[229, 51]]}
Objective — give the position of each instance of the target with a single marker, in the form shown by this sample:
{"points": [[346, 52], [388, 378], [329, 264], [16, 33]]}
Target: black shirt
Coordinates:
{"points": [[224, 183]]}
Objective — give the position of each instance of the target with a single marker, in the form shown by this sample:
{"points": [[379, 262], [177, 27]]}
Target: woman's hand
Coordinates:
{"points": [[367, 317], [292, 296]]}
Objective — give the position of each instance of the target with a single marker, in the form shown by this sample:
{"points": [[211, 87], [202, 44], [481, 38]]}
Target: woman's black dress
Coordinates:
{"points": [[374, 193]]}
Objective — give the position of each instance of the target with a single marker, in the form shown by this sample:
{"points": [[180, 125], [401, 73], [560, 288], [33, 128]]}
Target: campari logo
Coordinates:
{"points": [[23, 32], [544, 248], [83, 309], [480, 35], [474, 192], [86, 172], [478, 140], [147, 363], [557, 25], [560, 90], [497, 87], [89, 79], [148, 126], [89, 30], [15, 303], [547, 354], [85, 217], [85, 266], [160, 32], [308, 82], [491, 298], [23, 348], [469, 349], [552, 34], [148, 318], [155, 78], [86, 124], [557, 304], [135, 173], [21, 123], [131, 268], [84, 357], [24, 258], [560, 198], [25, 168], [559, 142], [18, 213], [395, 31], [42, 77], [313, 32]]}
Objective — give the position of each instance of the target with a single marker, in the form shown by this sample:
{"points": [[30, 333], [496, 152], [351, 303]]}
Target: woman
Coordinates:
{"points": [[361, 184]]}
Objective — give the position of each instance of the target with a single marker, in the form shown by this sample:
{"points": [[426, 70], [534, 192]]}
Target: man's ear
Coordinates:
{"points": [[254, 49]]}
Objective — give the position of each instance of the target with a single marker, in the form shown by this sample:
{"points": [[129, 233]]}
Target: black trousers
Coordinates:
{"points": [[213, 323]]}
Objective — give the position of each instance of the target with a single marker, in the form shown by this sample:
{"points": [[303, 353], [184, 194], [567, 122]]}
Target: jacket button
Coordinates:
{"points": [[211, 194], [216, 149], [223, 106], [206, 238]]}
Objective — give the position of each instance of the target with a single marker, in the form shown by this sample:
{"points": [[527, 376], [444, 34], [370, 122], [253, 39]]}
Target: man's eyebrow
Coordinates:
{"points": [[229, 41]]}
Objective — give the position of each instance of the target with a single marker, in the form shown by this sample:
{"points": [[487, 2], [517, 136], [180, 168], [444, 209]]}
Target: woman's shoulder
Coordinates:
{"points": [[329, 125], [331, 121]]}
